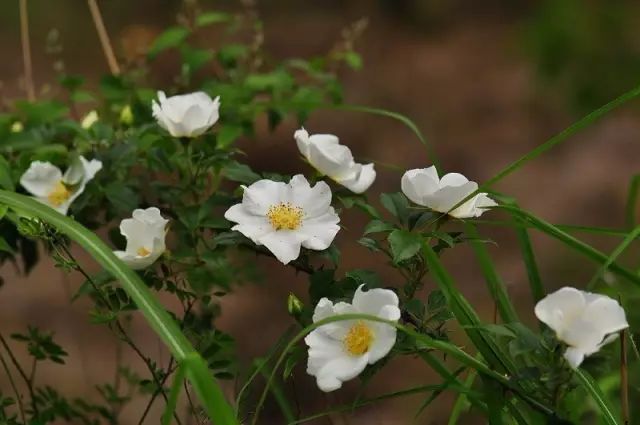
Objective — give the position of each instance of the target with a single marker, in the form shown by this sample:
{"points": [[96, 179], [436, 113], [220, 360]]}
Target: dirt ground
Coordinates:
{"points": [[463, 79]]}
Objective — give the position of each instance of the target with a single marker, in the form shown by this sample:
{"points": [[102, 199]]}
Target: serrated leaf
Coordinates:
{"points": [[240, 173], [377, 226], [396, 204], [404, 244], [171, 37]]}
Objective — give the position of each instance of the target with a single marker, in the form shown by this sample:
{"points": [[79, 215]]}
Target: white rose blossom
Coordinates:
{"points": [[285, 216], [48, 185], [339, 351], [187, 115], [425, 188], [583, 320], [325, 153], [145, 233]]}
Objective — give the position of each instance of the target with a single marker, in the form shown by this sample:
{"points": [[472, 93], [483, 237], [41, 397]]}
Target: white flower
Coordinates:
{"points": [[48, 185], [583, 320], [340, 350], [89, 120], [325, 153], [424, 187], [285, 216], [145, 233], [187, 115]]}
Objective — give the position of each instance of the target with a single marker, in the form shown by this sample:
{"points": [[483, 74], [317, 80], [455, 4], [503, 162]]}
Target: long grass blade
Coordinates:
{"points": [[594, 391], [632, 202], [496, 285], [578, 245], [632, 236]]}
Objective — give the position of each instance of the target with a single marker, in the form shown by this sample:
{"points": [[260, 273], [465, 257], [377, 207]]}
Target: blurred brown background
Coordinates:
{"points": [[464, 71]]}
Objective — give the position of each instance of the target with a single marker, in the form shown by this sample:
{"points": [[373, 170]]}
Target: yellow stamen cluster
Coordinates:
{"points": [[143, 252], [359, 339], [59, 195], [285, 216]]}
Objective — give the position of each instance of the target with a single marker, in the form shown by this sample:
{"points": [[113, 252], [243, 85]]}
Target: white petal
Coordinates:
{"points": [[373, 300], [453, 179], [136, 262], [557, 309], [385, 339], [322, 348], [314, 201], [447, 197], [320, 231], [258, 197], [90, 168], [41, 178], [284, 245], [334, 372], [302, 141], [329, 157], [361, 180], [606, 314], [574, 357], [420, 182]]}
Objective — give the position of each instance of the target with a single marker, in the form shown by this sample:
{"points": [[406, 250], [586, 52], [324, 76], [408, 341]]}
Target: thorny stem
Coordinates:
{"points": [[22, 373], [13, 387], [104, 37], [26, 51]]}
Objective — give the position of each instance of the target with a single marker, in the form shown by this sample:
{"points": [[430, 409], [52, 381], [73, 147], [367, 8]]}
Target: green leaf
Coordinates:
{"points": [[4, 246], [6, 182], [227, 135], [240, 173], [210, 18], [122, 197], [404, 244], [397, 205], [172, 37], [378, 226]]}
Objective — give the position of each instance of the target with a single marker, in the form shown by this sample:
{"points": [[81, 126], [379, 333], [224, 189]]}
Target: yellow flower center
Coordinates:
{"points": [[285, 216], [143, 252], [358, 339], [59, 195]]}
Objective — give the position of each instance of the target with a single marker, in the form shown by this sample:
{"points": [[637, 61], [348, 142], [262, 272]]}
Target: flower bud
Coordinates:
{"points": [[294, 305]]}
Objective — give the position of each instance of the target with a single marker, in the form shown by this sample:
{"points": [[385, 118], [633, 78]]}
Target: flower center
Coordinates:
{"points": [[59, 195], [143, 252], [285, 216], [358, 339]]}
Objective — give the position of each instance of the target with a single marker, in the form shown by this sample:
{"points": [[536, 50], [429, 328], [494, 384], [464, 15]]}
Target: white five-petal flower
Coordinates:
{"points": [[285, 216], [340, 350], [583, 320], [145, 233], [424, 187], [187, 115], [48, 185], [325, 153]]}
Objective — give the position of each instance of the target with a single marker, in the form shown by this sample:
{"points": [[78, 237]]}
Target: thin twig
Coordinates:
{"points": [[26, 51], [104, 37], [13, 386], [22, 373], [624, 378]]}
